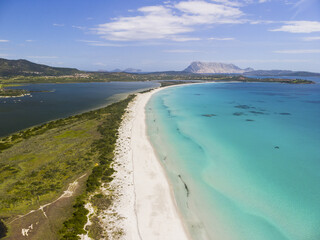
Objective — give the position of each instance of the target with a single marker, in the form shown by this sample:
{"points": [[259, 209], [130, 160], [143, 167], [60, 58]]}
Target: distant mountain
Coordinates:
{"points": [[127, 70], [224, 68], [27, 68], [132, 70], [116, 70], [281, 73], [304, 74], [214, 67]]}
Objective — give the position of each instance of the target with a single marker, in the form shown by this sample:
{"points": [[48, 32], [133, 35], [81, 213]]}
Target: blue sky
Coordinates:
{"points": [[155, 35]]}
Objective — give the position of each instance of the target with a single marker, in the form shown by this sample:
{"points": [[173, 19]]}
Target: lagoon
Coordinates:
{"points": [[53, 101]]}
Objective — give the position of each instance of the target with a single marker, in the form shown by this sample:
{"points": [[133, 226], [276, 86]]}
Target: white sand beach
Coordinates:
{"points": [[144, 207]]}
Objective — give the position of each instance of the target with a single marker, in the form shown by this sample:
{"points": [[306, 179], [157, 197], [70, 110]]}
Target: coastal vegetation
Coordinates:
{"points": [[102, 171], [127, 77], [23, 71], [38, 163], [13, 92], [4, 92]]}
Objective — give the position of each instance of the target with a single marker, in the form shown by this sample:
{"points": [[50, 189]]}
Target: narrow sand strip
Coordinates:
{"points": [[155, 206], [144, 204]]}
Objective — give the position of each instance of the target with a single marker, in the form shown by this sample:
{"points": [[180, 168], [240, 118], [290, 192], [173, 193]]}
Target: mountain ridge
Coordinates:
{"points": [[127, 70], [199, 67], [214, 67], [22, 67], [26, 68]]}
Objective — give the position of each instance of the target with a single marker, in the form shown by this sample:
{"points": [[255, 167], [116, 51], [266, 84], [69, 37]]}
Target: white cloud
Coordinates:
{"points": [[100, 43], [269, 60], [180, 51], [79, 27], [156, 23], [303, 6], [299, 27], [298, 51], [185, 39], [239, 3], [100, 64], [42, 57], [4, 55], [261, 22], [211, 11], [168, 22], [29, 40], [221, 39], [311, 38], [88, 41], [58, 24], [228, 3], [3, 40]]}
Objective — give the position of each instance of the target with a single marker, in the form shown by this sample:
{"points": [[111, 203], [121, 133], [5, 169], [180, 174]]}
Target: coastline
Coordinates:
{"points": [[17, 96], [211, 221], [144, 205]]}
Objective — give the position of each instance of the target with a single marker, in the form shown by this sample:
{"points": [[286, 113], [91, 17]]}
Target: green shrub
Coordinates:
{"points": [[104, 147], [74, 226]]}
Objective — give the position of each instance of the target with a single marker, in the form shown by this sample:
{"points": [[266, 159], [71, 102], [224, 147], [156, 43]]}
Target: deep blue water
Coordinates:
{"points": [[243, 158], [64, 100]]}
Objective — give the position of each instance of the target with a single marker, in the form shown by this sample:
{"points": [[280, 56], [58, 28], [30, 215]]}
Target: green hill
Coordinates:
{"points": [[21, 67]]}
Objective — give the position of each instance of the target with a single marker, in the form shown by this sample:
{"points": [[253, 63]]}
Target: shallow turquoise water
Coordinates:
{"points": [[243, 158]]}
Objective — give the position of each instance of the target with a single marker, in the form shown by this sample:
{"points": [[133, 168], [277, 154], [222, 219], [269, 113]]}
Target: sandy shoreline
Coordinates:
{"points": [[144, 207]]}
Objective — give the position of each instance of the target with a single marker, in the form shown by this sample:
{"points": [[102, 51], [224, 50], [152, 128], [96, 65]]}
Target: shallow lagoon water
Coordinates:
{"points": [[59, 101], [243, 158]]}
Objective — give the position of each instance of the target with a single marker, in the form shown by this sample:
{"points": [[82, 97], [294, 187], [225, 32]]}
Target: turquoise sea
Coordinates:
{"points": [[243, 158]]}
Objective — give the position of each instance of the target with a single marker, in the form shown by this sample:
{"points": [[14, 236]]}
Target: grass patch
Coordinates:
{"points": [[35, 170]]}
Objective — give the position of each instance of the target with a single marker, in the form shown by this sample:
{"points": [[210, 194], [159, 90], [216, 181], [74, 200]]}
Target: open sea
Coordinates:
{"points": [[243, 158], [52, 101]]}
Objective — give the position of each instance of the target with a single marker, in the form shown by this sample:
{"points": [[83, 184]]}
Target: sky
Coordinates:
{"points": [[155, 35]]}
